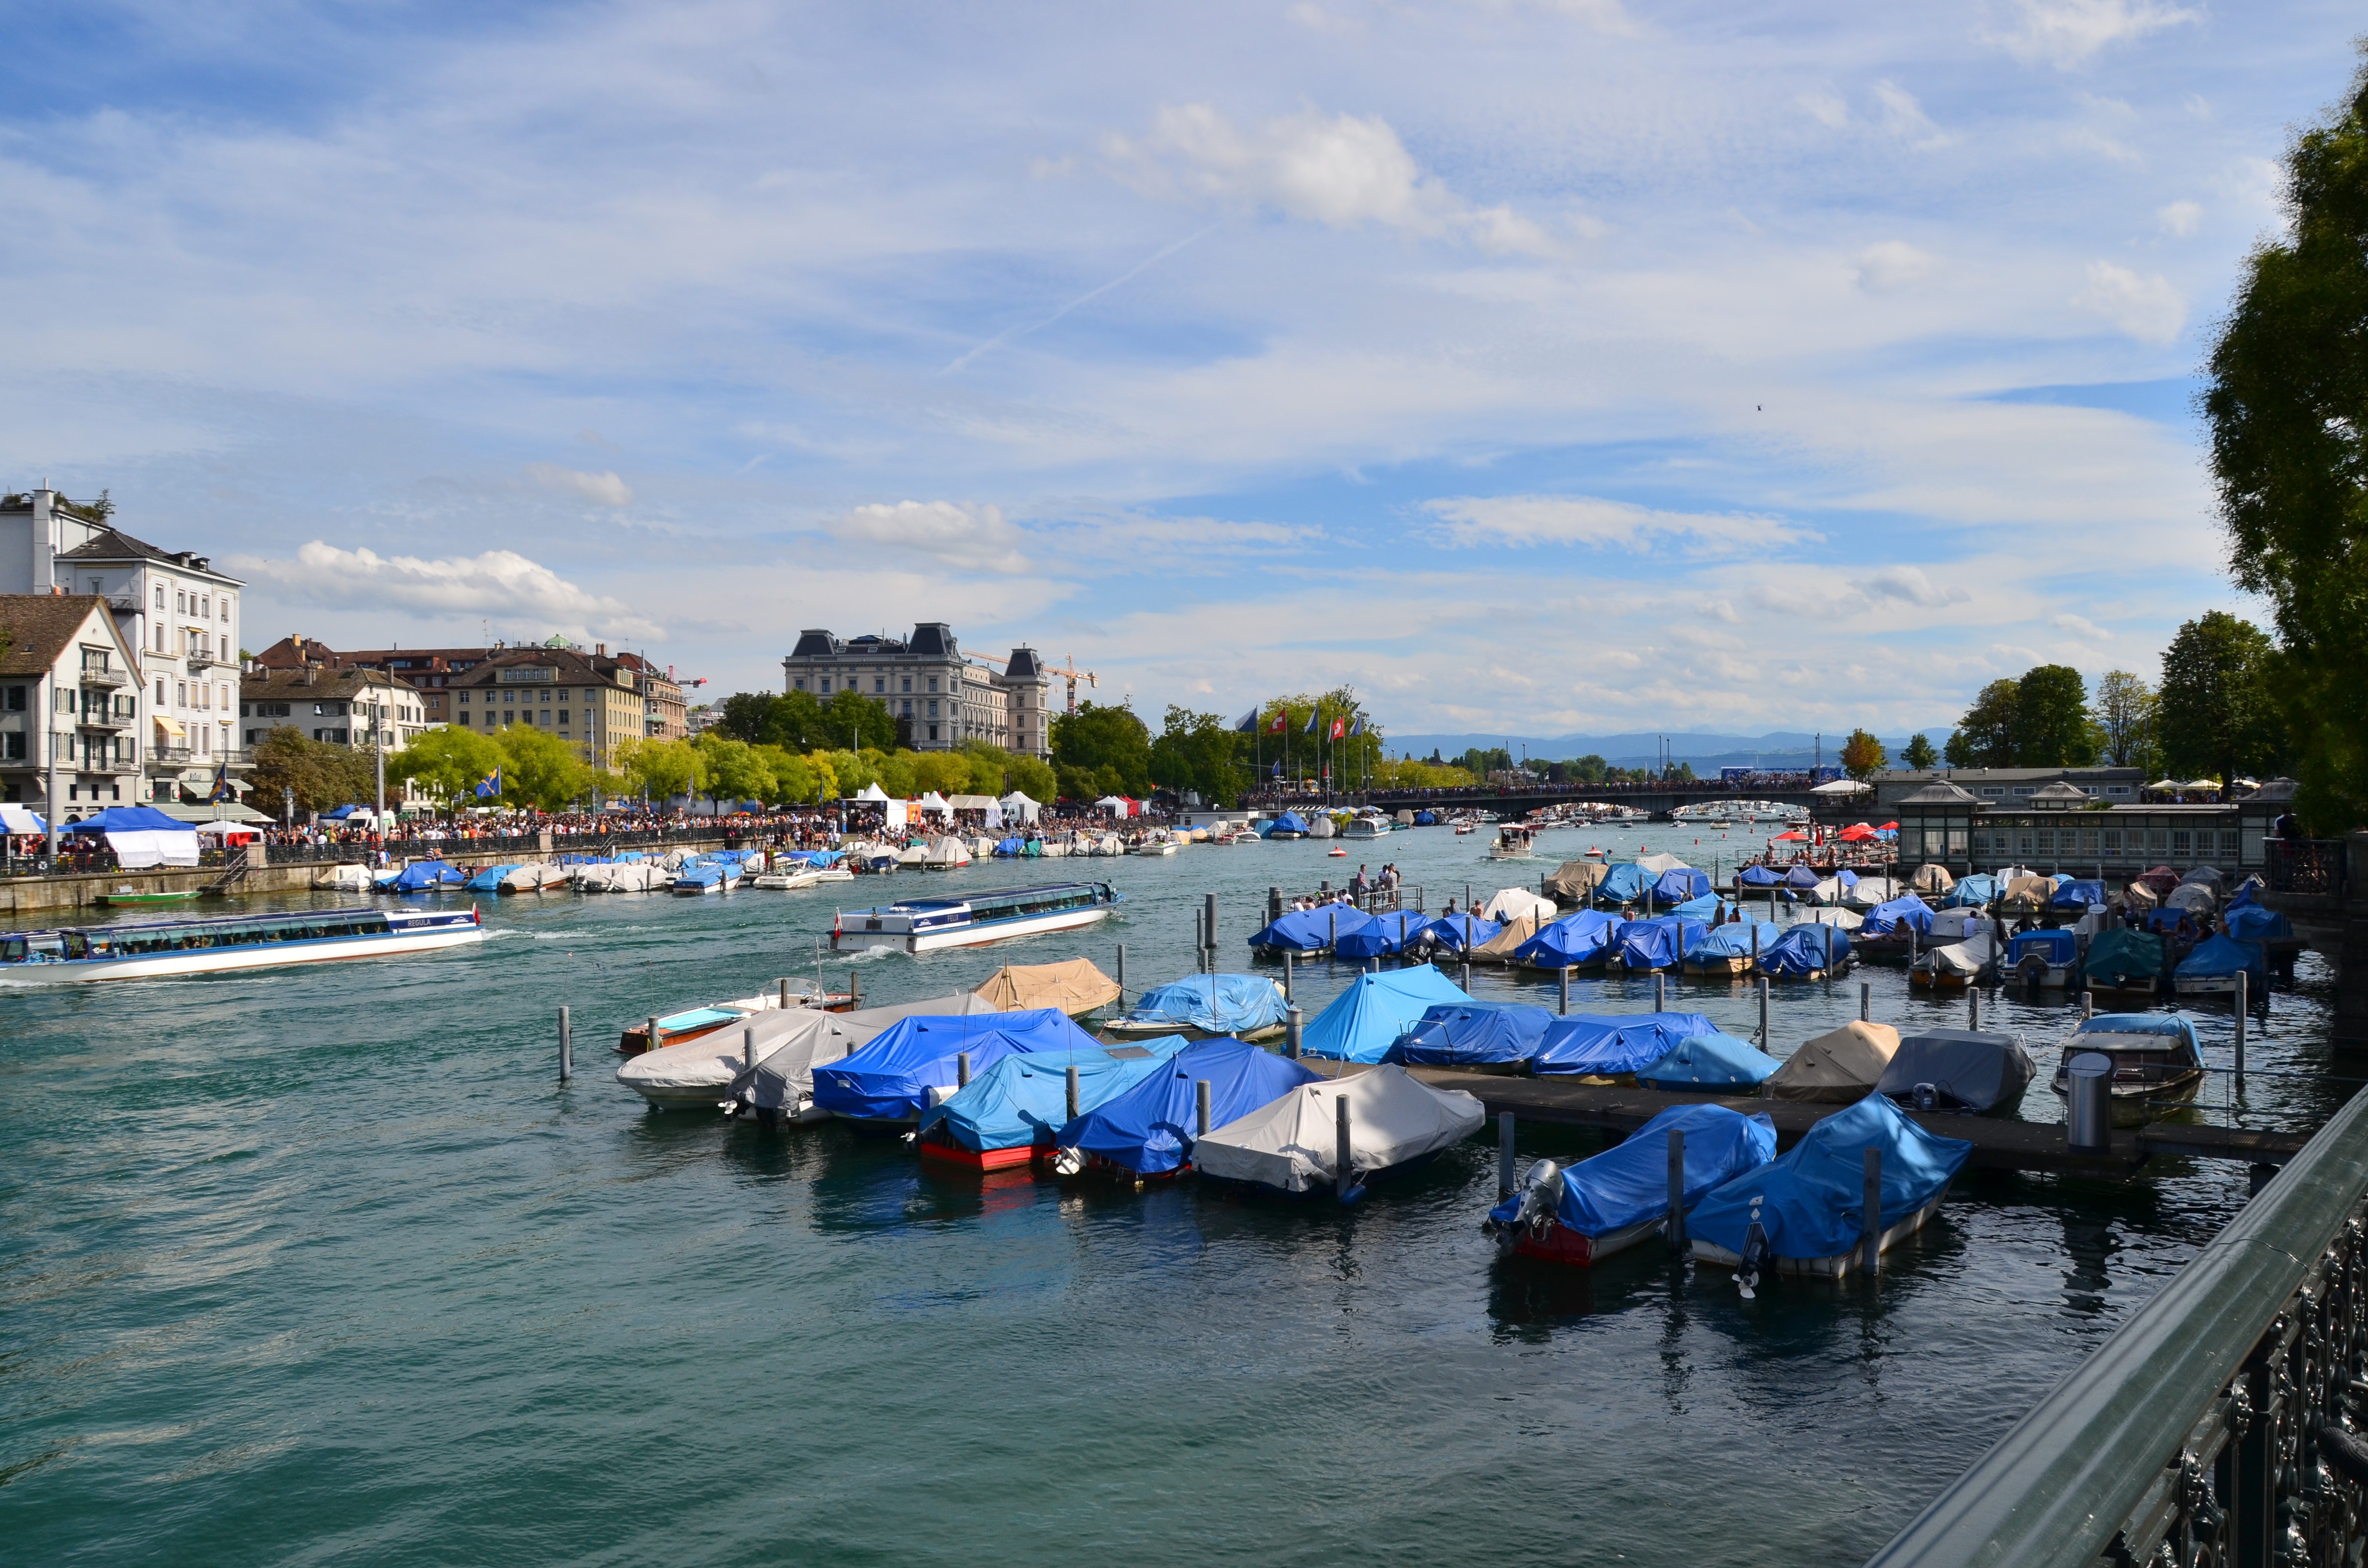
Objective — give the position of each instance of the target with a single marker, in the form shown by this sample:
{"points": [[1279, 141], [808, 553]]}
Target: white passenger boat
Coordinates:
{"points": [[1368, 824], [149, 949], [925, 924]]}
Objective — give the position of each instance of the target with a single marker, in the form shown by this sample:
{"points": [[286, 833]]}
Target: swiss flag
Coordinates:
{"points": [[1339, 728], [1280, 718]]}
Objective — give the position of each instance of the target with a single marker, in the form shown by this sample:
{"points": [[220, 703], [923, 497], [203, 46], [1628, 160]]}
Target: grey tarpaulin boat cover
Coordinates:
{"points": [[783, 1078], [1842, 1066], [1972, 1070], [1293, 1143]]}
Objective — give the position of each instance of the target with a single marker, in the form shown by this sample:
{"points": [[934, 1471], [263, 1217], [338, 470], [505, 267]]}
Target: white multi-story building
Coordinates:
{"points": [[178, 614], [939, 696], [69, 706]]}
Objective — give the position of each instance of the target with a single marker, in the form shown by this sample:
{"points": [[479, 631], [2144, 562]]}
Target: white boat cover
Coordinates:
{"points": [[1872, 890], [1657, 864], [949, 851], [1965, 959], [1848, 919], [1511, 904], [1955, 924], [2194, 897], [1840, 1067], [349, 878], [1293, 1143], [1075, 986], [790, 1044]]}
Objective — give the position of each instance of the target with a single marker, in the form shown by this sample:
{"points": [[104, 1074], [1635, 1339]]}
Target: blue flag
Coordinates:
{"points": [[1357, 729], [222, 792], [1249, 726], [1312, 718], [490, 786]]}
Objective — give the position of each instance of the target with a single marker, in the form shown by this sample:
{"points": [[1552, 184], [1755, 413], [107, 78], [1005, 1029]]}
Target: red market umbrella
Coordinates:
{"points": [[1857, 833], [1795, 836], [1889, 827]]}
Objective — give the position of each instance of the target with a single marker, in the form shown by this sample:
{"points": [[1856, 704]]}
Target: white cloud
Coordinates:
{"points": [[2081, 626], [947, 533], [1826, 109], [1904, 118], [1587, 520], [1340, 170], [500, 584], [1908, 585], [605, 488], [2148, 308], [2064, 33], [1893, 265], [2179, 217]]}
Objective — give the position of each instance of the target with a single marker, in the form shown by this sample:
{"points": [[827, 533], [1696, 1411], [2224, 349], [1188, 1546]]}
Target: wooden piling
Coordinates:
{"points": [[567, 1049], [1676, 1223], [1200, 1107], [1504, 1153]]}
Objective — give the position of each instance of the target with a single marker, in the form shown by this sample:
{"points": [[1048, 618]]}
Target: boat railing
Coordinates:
{"points": [[2216, 1425]]}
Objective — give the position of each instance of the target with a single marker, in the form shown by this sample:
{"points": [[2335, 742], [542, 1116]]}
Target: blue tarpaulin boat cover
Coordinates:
{"points": [[1755, 877], [1310, 930], [1364, 1021], [1573, 939], [1426, 819], [1150, 1128], [1022, 1101], [490, 879], [1811, 1200], [1460, 1034], [1629, 1184], [2176, 1026], [2217, 957], [1908, 913], [423, 874], [1802, 949], [1605, 1045], [2076, 893], [1624, 884], [1971, 892], [1383, 935], [1710, 909], [1657, 943], [1449, 931], [889, 1078], [1711, 1061], [1802, 877], [2251, 923], [1214, 1004], [1734, 940], [1679, 884], [2058, 946], [1846, 879], [1290, 822], [1011, 848]]}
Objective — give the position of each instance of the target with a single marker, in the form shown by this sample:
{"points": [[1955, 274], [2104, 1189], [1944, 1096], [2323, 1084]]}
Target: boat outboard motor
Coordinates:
{"points": [[1928, 1096], [1759, 1258], [1539, 1202], [1068, 1161]]}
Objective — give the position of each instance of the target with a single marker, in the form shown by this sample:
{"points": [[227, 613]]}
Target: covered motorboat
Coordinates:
{"points": [[1658, 943], [1868, 892], [1204, 1006], [1807, 951], [1293, 1145], [1013, 1112], [1510, 938], [790, 1046], [2124, 966], [915, 1062], [1149, 1129], [1679, 884], [1484, 1036], [1610, 1202], [1365, 1020], [1759, 877], [1573, 879], [1967, 1071], [1896, 926], [1805, 1212], [1511, 904], [1462, 933], [1291, 824], [1385, 935], [2049, 958], [2076, 895], [1571, 942], [1310, 930], [1712, 1062], [2213, 967], [2155, 1059], [1074, 987], [421, 875], [1972, 891], [1952, 966], [1624, 884], [1839, 1067], [1606, 1046], [946, 853], [1931, 878], [1732, 948]]}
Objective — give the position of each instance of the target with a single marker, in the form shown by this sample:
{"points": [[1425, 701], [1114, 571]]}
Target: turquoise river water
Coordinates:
{"points": [[322, 1265]]}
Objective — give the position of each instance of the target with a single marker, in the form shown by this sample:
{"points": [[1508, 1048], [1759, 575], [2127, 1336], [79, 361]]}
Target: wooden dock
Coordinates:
{"points": [[1998, 1144]]}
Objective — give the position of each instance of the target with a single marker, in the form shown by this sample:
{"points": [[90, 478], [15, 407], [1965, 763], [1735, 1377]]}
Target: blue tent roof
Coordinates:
{"points": [[1910, 912], [1711, 1061], [1363, 1022], [2251, 923], [1450, 930], [1149, 1128], [2076, 894], [422, 874], [1290, 822], [1802, 949], [490, 879], [130, 819], [1629, 1183], [1605, 1045], [1656, 943], [1310, 930], [1811, 1200], [1624, 884], [1734, 940], [1573, 939], [1802, 877], [1024, 1100], [2056, 947], [1215, 1004], [1383, 935], [1457, 1034], [2216, 956], [1754, 877], [1679, 884], [1976, 889], [889, 1079]]}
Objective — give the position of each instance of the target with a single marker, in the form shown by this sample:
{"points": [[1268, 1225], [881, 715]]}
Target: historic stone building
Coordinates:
{"points": [[941, 695]]}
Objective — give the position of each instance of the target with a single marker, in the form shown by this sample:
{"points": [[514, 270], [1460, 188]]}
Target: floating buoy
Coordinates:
{"points": [[1337, 854]]}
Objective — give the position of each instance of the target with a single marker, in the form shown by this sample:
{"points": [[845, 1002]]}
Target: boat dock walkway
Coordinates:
{"points": [[1998, 1144]]}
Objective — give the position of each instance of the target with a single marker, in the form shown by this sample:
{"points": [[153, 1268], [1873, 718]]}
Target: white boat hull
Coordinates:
{"points": [[968, 936], [212, 960]]}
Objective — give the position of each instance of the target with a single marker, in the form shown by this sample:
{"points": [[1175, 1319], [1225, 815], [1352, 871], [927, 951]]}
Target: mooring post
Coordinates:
{"points": [[1866, 1000], [1972, 1008], [1911, 950], [1755, 945], [1200, 1107], [1564, 1007], [1677, 1225], [747, 1049], [2243, 986], [567, 1049], [785, 992], [854, 992], [1871, 1245], [1290, 963], [1332, 942], [1073, 1091], [1273, 904], [1291, 1032], [1122, 976], [2088, 1004], [1504, 1153], [962, 1070], [1209, 927], [653, 1032], [1345, 1170], [1763, 1012], [1661, 992]]}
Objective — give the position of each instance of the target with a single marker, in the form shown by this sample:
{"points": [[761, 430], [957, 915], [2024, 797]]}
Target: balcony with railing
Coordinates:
{"points": [[172, 759], [99, 717], [94, 674]]}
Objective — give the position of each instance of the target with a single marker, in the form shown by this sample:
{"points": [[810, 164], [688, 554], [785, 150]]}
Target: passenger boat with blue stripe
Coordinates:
{"points": [[925, 924], [149, 949]]}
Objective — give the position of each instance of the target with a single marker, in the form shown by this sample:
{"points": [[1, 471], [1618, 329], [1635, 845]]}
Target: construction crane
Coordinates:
{"points": [[1068, 671]]}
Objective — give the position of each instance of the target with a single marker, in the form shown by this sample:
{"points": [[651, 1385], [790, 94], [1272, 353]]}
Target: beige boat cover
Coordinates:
{"points": [[1931, 878], [1511, 904], [2028, 893], [1657, 864], [1076, 987], [1499, 949], [1839, 1068], [1848, 919], [2137, 895], [1293, 1143], [1573, 879]]}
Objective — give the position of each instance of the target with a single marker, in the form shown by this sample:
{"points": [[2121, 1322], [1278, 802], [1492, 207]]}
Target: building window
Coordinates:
{"points": [[180, 693], [933, 731], [160, 609], [908, 683], [879, 683], [825, 683], [801, 683], [2227, 841], [2179, 843], [464, 700], [2112, 841], [933, 683], [933, 714]]}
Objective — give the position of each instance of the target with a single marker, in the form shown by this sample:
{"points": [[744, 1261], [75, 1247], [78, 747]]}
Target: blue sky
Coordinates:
{"points": [[1535, 366]]}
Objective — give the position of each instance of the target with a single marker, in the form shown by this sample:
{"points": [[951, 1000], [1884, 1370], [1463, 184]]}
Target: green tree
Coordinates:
{"points": [[745, 716], [1095, 739], [847, 714], [1918, 752], [322, 776], [448, 762], [2215, 713], [2124, 709], [1032, 777], [2288, 409], [1985, 736], [540, 769], [2050, 719], [1862, 754], [734, 770], [1198, 752], [661, 769]]}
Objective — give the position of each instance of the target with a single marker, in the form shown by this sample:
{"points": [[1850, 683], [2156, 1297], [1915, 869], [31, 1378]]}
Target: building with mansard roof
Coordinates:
{"points": [[939, 695]]}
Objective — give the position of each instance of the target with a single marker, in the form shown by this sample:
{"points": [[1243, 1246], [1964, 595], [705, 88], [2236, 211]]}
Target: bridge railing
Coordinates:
{"points": [[2216, 1425], [2308, 866]]}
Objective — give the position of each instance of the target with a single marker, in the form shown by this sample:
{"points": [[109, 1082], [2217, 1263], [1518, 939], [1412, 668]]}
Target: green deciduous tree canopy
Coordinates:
{"points": [[1101, 751], [323, 777], [1918, 752], [1202, 753], [2215, 714], [2124, 712], [1985, 736], [2050, 719]]}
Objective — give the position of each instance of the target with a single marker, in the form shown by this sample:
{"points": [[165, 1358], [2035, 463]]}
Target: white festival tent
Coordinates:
{"points": [[1018, 807], [16, 819], [1117, 805], [933, 802]]}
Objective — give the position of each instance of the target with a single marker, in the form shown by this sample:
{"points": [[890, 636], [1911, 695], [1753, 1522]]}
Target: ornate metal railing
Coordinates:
{"points": [[2217, 1426], [2305, 866]]}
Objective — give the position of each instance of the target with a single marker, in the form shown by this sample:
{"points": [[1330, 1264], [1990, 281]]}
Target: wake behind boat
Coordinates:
{"points": [[925, 924], [147, 949]]}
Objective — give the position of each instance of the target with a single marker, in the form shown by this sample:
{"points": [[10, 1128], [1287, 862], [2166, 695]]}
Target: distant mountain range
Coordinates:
{"points": [[1779, 750]]}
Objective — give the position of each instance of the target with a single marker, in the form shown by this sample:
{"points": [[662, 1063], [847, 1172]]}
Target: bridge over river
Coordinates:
{"points": [[1659, 799]]}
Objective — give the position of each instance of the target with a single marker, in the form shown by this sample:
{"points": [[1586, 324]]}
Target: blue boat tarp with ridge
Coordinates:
{"points": [[1734, 940], [1898, 914], [1458, 933], [1802, 877], [1426, 819], [2218, 958], [2251, 923], [2078, 893], [1384, 936], [1679, 884], [1971, 892], [1311, 930], [1470, 1034], [1607, 1045], [1811, 1200], [1629, 1183], [1710, 909], [1288, 824], [1624, 884], [1023, 1101], [1757, 877], [1571, 940], [1213, 1004], [1806, 949], [1711, 1061], [889, 1078], [489, 879], [421, 875], [1657, 943], [1149, 1129], [1365, 1020]]}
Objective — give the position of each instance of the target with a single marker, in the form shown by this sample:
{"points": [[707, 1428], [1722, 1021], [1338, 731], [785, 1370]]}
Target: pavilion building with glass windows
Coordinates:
{"points": [[2061, 827]]}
